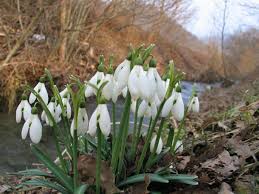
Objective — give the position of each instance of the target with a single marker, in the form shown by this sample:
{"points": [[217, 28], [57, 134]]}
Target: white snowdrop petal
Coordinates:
{"points": [[43, 116], [122, 73], [68, 109], [82, 121], [72, 127], [167, 106], [44, 94], [159, 146], [142, 108], [178, 108], [133, 105], [19, 112], [104, 120], [108, 88], [32, 97], [179, 146], [153, 110], [116, 92], [35, 129], [133, 85], [93, 124], [63, 92], [124, 92], [26, 110], [196, 104], [25, 128]]}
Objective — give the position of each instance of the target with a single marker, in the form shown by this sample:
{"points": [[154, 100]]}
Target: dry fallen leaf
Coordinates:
{"points": [[87, 170], [225, 189]]}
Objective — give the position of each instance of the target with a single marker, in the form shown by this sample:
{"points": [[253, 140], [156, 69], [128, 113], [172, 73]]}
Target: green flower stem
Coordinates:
{"points": [[123, 145], [170, 138], [136, 140], [117, 147], [150, 159], [148, 138], [55, 128], [98, 160], [113, 124], [75, 171], [134, 135], [86, 145]]}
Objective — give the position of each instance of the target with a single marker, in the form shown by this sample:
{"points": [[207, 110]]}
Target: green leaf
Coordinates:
{"points": [[46, 183], [66, 180], [32, 172], [141, 178], [183, 178], [81, 189]]}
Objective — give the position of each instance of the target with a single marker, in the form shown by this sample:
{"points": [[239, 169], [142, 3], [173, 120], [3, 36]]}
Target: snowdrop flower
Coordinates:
{"points": [[147, 109], [82, 121], [96, 80], [194, 104], [159, 146], [178, 107], [108, 88], [67, 106], [133, 105], [23, 110], [147, 85], [100, 116], [168, 105], [124, 92], [33, 126], [121, 74], [134, 80], [55, 111], [41, 90], [179, 146], [64, 93]]}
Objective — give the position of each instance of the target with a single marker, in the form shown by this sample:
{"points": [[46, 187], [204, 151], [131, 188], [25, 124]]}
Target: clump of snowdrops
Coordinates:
{"points": [[147, 96]]}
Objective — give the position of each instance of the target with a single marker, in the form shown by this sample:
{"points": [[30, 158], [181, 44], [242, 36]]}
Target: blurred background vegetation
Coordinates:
{"points": [[67, 36]]}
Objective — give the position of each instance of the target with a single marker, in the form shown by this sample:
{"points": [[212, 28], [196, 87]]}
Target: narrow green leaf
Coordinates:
{"points": [[81, 189], [183, 178], [66, 180], [47, 184], [32, 172], [141, 178]]}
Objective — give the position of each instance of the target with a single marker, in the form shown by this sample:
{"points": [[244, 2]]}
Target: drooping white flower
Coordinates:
{"points": [[147, 109], [179, 146], [23, 110], [124, 92], [82, 122], [194, 104], [64, 93], [67, 107], [133, 105], [96, 80], [41, 90], [178, 107], [108, 88], [134, 80], [160, 86], [121, 74], [168, 105], [147, 85], [159, 146], [55, 111], [33, 126], [100, 116], [157, 100]]}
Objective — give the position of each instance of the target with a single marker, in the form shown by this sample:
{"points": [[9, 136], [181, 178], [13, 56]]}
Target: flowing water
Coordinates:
{"points": [[15, 153]]}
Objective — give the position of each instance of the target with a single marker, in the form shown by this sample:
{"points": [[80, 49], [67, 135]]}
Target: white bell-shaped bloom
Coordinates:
{"points": [[82, 122], [124, 92], [194, 104], [23, 110], [157, 100], [133, 105], [160, 86], [64, 93], [55, 111], [42, 91], [168, 106], [96, 80], [100, 116], [147, 85], [67, 107], [121, 74], [134, 81], [147, 109], [108, 88], [34, 127], [179, 146], [159, 146], [178, 107]]}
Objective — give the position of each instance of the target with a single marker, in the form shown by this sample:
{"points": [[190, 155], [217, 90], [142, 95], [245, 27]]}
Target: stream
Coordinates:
{"points": [[15, 153]]}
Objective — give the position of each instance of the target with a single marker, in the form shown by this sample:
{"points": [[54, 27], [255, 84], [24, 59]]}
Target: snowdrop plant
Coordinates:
{"points": [[146, 95]]}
